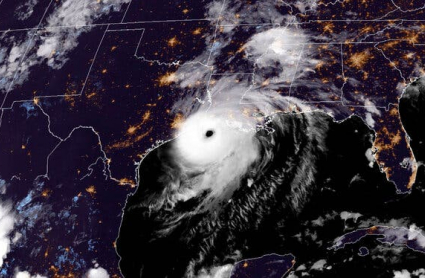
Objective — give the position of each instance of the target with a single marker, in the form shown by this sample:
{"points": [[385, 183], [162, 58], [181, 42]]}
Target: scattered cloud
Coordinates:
{"points": [[319, 265], [2, 187], [56, 44], [416, 234], [306, 5], [369, 120], [370, 107], [402, 274], [345, 215], [277, 45], [20, 51], [216, 272], [26, 274], [25, 10], [420, 272]]}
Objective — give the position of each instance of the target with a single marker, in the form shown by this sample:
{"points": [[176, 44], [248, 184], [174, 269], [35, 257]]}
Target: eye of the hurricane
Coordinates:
{"points": [[209, 133], [206, 138]]}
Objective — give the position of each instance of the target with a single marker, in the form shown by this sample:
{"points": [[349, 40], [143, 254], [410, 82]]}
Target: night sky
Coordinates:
{"points": [[79, 114]]}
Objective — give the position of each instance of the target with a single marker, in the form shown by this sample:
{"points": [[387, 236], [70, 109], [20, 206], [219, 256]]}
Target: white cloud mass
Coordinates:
{"points": [[97, 273], [7, 221]]}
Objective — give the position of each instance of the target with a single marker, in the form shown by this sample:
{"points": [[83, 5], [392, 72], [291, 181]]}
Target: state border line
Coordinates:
{"points": [[107, 30], [92, 63], [189, 20], [126, 10], [103, 24], [15, 75], [142, 29], [208, 20]]}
